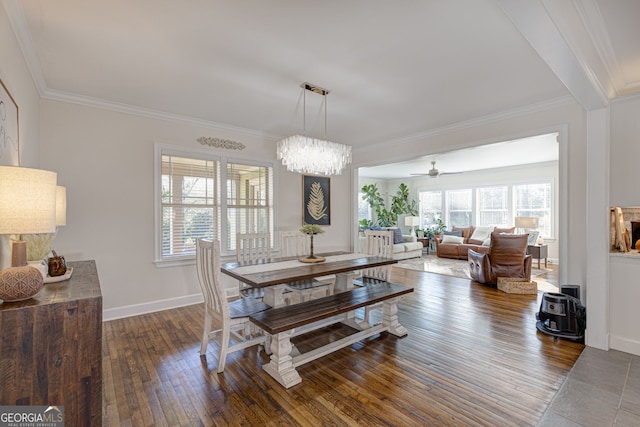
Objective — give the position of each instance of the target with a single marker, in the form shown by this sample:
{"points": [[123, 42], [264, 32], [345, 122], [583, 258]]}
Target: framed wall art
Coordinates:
{"points": [[316, 202], [9, 143]]}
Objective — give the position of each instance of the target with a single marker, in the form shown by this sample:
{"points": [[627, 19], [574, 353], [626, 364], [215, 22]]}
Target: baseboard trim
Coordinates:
{"points": [[624, 344], [150, 307]]}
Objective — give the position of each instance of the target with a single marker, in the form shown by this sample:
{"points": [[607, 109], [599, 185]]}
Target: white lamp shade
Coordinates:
{"points": [[27, 200], [412, 221], [526, 222], [61, 206]]}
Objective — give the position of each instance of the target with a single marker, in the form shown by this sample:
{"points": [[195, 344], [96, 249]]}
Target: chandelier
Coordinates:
{"points": [[302, 154]]}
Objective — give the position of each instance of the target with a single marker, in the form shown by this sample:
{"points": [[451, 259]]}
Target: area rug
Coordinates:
{"points": [[460, 268]]}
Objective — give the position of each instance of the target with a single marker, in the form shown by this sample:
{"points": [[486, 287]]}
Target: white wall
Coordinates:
{"points": [[15, 76], [624, 270], [105, 159]]}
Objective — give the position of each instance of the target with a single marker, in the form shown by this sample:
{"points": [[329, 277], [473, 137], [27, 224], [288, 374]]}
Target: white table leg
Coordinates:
{"points": [[281, 365], [390, 318], [344, 282], [273, 295]]}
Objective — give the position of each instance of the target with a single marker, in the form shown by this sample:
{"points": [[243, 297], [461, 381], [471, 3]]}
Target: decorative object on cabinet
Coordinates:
{"points": [[19, 283]]}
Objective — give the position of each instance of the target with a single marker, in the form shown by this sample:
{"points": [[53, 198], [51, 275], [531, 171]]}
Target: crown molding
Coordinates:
{"points": [[479, 121], [17, 19], [151, 114]]}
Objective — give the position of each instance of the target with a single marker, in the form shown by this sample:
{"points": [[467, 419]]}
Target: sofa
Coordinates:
{"points": [[408, 247], [457, 242]]}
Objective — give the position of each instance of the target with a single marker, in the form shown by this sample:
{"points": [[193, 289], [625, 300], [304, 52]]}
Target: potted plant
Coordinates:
{"points": [[400, 204], [311, 230]]}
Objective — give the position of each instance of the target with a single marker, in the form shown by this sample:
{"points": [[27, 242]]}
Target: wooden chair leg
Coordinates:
{"points": [[205, 333], [225, 336]]}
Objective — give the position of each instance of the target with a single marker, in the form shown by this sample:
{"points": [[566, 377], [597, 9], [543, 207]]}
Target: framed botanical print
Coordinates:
{"points": [[9, 143], [316, 202]]}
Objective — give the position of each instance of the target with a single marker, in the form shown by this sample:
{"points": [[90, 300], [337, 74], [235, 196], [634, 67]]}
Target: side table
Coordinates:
{"points": [[425, 244], [539, 252]]}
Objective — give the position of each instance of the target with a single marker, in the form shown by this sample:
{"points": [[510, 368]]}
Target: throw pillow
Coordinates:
{"points": [[397, 236], [466, 231], [452, 233], [480, 234], [509, 230], [448, 238]]}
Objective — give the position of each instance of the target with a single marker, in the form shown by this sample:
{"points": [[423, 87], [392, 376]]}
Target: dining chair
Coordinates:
{"points": [[377, 243], [296, 244], [252, 247], [230, 319]]}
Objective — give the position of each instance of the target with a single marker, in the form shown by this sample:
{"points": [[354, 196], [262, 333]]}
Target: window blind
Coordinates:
{"points": [[190, 204]]}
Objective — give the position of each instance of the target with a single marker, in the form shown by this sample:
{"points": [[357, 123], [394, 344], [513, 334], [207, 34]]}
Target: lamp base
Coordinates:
{"points": [[19, 253]]}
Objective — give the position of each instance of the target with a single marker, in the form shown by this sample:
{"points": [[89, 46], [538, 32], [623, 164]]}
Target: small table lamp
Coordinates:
{"points": [[412, 221], [526, 223], [27, 205]]}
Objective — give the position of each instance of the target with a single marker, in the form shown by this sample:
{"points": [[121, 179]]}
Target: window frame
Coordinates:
{"points": [[161, 149]]}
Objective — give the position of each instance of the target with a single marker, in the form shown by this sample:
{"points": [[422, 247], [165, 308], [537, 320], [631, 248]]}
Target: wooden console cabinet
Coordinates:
{"points": [[51, 348]]}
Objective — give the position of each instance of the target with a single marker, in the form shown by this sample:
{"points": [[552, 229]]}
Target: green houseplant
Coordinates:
{"points": [[400, 204]]}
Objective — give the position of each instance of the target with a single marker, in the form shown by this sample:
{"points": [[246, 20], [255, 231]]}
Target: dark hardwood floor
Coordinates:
{"points": [[472, 357]]}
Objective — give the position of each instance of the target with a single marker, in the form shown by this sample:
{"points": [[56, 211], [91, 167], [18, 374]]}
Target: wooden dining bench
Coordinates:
{"points": [[283, 323]]}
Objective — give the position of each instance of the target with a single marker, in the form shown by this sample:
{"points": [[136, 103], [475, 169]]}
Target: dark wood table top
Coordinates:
{"points": [[270, 277]]}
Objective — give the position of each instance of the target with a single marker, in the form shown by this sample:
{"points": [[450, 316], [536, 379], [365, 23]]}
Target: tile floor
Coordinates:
{"points": [[602, 389]]}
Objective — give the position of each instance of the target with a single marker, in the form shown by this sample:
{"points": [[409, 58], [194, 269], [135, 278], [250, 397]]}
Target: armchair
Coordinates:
{"points": [[507, 257]]}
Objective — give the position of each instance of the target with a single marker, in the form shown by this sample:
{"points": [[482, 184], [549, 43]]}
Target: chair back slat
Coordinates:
{"points": [[294, 243], [208, 268], [378, 243], [253, 247]]}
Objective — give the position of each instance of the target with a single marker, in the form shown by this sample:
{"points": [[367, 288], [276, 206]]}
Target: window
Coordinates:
{"points": [[493, 206], [364, 209], [430, 208], [190, 204], [459, 207], [535, 200], [249, 195]]}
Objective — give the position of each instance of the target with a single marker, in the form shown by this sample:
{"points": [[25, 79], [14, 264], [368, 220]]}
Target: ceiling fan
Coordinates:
{"points": [[433, 172]]}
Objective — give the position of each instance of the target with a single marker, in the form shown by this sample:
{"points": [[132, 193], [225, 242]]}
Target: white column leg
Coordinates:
{"points": [[273, 295], [390, 318], [281, 365], [344, 282]]}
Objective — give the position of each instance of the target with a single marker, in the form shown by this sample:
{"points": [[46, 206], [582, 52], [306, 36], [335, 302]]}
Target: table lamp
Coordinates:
{"points": [[526, 223], [27, 205], [412, 221]]}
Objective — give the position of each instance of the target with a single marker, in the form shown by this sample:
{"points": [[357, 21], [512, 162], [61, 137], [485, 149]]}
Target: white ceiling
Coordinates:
{"points": [[395, 70], [538, 149]]}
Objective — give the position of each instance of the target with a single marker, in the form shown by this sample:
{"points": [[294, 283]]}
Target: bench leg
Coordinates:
{"points": [[390, 318], [281, 365]]}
